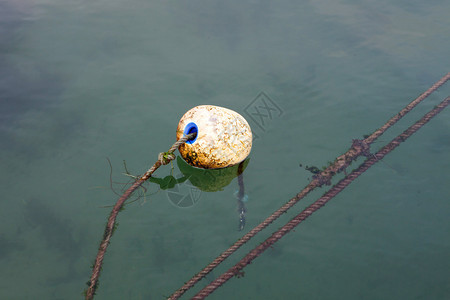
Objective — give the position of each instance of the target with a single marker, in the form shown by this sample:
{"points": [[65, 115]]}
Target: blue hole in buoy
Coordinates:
{"points": [[191, 128]]}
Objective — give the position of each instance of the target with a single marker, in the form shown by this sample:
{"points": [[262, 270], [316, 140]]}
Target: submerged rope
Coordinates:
{"points": [[358, 148], [336, 189], [240, 196], [163, 159]]}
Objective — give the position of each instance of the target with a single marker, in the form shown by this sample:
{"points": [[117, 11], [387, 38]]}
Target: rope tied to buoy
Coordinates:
{"points": [[360, 147], [163, 159], [166, 157]]}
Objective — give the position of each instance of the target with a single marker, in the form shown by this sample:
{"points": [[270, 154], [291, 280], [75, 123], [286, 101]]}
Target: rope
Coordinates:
{"points": [[358, 148], [336, 189], [163, 159]]}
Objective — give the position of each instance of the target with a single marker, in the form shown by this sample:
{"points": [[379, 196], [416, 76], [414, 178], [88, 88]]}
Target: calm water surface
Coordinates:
{"points": [[81, 81]]}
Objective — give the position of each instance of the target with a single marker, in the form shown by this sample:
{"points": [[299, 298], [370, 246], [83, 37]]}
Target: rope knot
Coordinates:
{"points": [[166, 157]]}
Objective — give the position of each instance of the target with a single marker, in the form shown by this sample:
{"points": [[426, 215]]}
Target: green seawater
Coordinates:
{"points": [[83, 81]]}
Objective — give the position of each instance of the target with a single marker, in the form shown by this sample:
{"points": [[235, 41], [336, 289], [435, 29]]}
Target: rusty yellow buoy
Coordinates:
{"points": [[223, 139]]}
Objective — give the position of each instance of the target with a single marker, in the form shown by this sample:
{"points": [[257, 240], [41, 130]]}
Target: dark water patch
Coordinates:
{"points": [[40, 134], [9, 246], [56, 231], [159, 252], [21, 91], [58, 235], [26, 83], [441, 143], [12, 17], [218, 20]]}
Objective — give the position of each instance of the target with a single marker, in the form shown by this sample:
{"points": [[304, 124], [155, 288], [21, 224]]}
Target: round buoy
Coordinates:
{"points": [[223, 138]]}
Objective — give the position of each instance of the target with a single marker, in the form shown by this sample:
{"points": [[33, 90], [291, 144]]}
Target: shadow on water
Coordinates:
{"points": [[58, 236]]}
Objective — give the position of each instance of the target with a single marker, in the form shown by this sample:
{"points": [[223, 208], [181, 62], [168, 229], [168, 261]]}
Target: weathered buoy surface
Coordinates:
{"points": [[223, 139]]}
